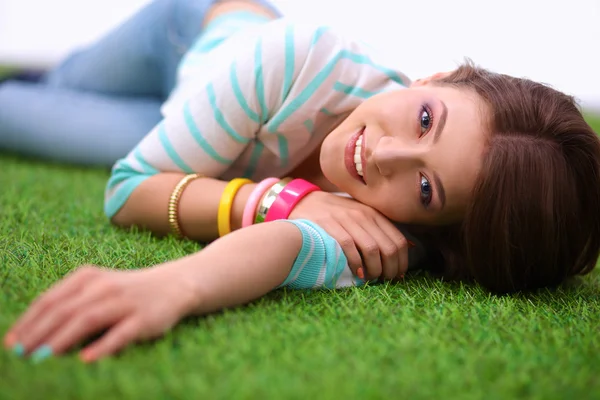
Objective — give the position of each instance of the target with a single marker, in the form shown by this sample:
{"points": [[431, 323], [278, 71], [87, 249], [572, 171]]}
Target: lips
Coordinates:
{"points": [[349, 155]]}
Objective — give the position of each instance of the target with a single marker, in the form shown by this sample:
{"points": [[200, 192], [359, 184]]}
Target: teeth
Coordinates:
{"points": [[358, 156]]}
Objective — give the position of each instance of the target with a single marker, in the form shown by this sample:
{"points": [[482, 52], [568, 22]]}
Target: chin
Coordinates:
{"points": [[328, 164], [330, 175]]}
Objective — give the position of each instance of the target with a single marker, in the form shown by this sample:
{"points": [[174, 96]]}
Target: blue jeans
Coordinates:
{"points": [[101, 101]]}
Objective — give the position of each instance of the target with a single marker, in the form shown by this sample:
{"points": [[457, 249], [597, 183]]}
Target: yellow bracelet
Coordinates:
{"points": [[174, 203], [224, 213]]}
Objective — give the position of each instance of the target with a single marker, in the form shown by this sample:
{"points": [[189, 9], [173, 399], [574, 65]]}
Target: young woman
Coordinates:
{"points": [[489, 177]]}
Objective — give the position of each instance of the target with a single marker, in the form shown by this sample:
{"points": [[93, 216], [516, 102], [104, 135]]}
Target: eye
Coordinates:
{"points": [[425, 120], [426, 191]]}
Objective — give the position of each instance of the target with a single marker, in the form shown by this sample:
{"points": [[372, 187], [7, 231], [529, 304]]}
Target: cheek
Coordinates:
{"points": [[399, 211], [399, 126], [384, 109], [394, 201]]}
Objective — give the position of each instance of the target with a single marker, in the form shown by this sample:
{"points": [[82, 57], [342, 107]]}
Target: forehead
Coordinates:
{"points": [[460, 149]]}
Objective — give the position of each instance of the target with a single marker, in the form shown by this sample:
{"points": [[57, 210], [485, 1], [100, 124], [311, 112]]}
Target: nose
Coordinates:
{"points": [[392, 155]]}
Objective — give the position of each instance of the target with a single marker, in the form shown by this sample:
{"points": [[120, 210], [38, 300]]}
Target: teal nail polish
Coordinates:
{"points": [[18, 350], [41, 353]]}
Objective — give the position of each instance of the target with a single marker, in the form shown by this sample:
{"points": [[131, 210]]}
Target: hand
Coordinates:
{"points": [[127, 305], [366, 236]]}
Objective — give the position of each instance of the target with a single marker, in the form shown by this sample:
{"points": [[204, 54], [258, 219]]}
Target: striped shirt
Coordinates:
{"points": [[256, 105]]}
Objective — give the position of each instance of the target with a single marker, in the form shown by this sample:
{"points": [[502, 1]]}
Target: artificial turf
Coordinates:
{"points": [[419, 339]]}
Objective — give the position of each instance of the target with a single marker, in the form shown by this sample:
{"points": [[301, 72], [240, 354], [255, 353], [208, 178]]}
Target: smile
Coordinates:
{"points": [[354, 156], [358, 156]]}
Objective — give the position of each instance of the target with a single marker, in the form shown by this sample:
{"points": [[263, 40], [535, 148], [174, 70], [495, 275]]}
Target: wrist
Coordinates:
{"points": [[179, 278], [285, 202], [300, 210]]}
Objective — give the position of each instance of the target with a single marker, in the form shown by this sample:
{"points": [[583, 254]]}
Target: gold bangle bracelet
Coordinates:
{"points": [[174, 203]]}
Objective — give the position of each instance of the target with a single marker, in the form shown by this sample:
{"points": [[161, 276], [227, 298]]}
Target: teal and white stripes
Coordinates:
{"points": [[320, 263], [199, 137], [174, 156], [239, 95], [253, 103], [290, 58], [260, 83]]}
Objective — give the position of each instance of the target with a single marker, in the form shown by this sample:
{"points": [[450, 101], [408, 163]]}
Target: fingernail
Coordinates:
{"points": [[85, 356], [360, 273], [41, 353], [18, 350], [10, 340], [410, 244]]}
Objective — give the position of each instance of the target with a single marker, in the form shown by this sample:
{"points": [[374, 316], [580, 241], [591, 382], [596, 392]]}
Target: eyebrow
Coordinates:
{"points": [[436, 136], [442, 122], [441, 192]]}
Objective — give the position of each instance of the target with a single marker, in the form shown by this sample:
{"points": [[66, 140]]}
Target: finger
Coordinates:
{"points": [[112, 341], [56, 317], [368, 247], [347, 244], [89, 321], [401, 243], [388, 251], [65, 288]]}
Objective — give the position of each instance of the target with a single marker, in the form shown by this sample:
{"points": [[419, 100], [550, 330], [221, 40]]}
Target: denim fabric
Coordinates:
{"points": [[96, 105]]}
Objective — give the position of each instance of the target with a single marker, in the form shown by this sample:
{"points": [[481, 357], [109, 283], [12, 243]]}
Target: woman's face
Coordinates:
{"points": [[421, 150]]}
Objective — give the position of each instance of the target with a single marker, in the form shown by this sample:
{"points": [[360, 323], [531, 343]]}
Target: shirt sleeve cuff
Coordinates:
{"points": [[321, 262]]}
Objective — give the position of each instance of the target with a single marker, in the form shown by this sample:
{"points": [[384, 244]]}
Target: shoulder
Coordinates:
{"points": [[318, 44], [303, 36]]}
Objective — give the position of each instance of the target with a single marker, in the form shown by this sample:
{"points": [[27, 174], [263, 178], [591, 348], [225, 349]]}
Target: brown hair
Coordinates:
{"points": [[534, 217]]}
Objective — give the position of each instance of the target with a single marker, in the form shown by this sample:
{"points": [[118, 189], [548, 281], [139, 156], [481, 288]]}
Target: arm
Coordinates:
{"points": [[147, 206], [222, 278], [207, 135], [141, 304], [296, 254]]}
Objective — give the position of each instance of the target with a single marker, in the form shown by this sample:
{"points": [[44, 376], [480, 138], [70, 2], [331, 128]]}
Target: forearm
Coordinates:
{"points": [[240, 267], [147, 206]]}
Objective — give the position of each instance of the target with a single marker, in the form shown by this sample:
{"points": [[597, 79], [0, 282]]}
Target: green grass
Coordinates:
{"points": [[594, 121], [422, 339]]}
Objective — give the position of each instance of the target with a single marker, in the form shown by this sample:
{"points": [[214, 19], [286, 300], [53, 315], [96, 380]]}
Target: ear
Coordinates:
{"points": [[429, 79]]}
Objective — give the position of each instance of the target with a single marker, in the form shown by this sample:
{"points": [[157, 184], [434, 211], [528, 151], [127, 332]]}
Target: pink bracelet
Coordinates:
{"points": [[291, 194], [254, 199]]}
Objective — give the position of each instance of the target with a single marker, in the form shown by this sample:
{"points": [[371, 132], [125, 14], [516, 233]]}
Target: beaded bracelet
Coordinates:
{"points": [[255, 197], [268, 200], [291, 195], [224, 213], [174, 203]]}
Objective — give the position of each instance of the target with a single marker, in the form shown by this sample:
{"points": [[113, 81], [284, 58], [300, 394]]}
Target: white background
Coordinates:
{"points": [[553, 41]]}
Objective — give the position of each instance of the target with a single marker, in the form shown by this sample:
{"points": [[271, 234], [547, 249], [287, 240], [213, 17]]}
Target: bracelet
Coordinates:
{"points": [[255, 197], [224, 213], [268, 199], [291, 194], [174, 203]]}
